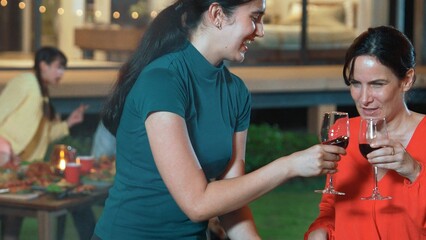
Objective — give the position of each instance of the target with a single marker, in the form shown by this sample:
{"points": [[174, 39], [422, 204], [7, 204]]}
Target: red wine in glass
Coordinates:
{"points": [[365, 149], [370, 130], [341, 141], [334, 131]]}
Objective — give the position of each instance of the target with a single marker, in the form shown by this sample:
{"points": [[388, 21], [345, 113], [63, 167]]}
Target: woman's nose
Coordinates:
{"points": [[366, 96], [259, 30]]}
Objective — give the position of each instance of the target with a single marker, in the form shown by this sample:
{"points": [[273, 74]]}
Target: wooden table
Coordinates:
{"points": [[46, 209]]}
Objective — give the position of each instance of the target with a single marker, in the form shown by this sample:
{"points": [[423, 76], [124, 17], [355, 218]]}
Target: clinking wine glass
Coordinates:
{"points": [[372, 129], [334, 131]]}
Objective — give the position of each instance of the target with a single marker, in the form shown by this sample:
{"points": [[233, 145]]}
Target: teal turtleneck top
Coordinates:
{"points": [[214, 103]]}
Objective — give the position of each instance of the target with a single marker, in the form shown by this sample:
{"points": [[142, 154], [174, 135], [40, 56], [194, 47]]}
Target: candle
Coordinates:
{"points": [[62, 164]]}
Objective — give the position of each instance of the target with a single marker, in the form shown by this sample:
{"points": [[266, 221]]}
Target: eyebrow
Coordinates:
{"points": [[372, 81]]}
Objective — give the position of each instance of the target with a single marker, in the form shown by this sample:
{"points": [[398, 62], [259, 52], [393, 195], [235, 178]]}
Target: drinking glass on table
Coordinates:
{"points": [[372, 129], [334, 131]]}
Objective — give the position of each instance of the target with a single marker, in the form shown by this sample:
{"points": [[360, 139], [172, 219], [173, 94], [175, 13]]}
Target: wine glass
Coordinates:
{"points": [[334, 131], [371, 129]]}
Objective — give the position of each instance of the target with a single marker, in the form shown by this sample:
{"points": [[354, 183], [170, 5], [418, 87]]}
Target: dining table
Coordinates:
{"points": [[47, 208]]}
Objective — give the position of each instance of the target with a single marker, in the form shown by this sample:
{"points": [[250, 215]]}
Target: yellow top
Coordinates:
{"points": [[21, 119]]}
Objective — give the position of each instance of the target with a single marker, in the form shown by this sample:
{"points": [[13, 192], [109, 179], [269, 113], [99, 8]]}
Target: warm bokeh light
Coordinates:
{"points": [[116, 15], [79, 12], [62, 164], [154, 14], [61, 11], [42, 9], [135, 15], [98, 13], [3, 3], [21, 5]]}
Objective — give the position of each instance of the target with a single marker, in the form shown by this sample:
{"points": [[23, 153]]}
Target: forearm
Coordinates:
{"points": [[414, 195], [58, 130], [239, 224], [237, 192]]}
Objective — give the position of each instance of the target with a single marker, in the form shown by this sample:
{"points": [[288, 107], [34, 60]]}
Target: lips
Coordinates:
{"points": [[369, 112], [246, 43]]}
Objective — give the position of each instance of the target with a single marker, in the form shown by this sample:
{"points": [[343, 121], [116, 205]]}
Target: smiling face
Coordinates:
{"points": [[52, 73], [376, 90], [245, 24]]}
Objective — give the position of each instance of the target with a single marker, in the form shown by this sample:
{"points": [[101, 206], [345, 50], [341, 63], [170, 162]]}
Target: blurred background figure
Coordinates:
{"points": [[29, 123], [103, 143], [5, 152]]}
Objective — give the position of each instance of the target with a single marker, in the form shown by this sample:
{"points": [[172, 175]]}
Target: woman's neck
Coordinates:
{"points": [[401, 127]]}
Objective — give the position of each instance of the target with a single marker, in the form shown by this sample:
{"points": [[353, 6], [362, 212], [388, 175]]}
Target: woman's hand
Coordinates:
{"points": [[392, 156], [77, 116], [316, 160]]}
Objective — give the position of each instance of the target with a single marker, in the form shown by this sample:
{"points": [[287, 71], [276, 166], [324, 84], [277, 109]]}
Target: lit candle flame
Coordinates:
{"points": [[62, 164]]}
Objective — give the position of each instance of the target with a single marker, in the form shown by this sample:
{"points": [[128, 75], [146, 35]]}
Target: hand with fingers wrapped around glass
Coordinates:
{"points": [[389, 155]]}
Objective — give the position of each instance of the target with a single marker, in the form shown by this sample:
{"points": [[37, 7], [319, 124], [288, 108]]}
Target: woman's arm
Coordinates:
{"points": [[238, 224], [15, 93], [183, 176], [58, 129], [77, 116]]}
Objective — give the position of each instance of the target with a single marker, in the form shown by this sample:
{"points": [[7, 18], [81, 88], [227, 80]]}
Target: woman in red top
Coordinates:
{"points": [[379, 69]]}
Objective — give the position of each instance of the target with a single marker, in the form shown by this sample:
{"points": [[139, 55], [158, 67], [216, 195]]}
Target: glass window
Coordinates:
{"points": [[108, 31]]}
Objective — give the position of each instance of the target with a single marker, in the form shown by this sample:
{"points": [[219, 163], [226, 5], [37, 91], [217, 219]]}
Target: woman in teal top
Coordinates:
{"points": [[180, 119]]}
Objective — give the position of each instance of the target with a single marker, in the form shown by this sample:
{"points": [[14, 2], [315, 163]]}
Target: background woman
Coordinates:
{"points": [[379, 70], [181, 119], [28, 122]]}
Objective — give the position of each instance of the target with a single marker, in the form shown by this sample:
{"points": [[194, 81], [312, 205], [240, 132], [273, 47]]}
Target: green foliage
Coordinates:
{"points": [[266, 143]]}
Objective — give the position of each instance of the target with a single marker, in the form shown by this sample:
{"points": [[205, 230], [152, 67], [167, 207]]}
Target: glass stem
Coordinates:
{"points": [[330, 181], [375, 178]]}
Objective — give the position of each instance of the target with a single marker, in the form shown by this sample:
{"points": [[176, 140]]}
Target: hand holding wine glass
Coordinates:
{"points": [[334, 131], [372, 129]]}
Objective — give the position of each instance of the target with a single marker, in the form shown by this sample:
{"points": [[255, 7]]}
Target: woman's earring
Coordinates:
{"points": [[218, 25]]}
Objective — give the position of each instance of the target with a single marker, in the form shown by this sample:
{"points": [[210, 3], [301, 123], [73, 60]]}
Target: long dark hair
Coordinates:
{"points": [[168, 32], [47, 55], [391, 48]]}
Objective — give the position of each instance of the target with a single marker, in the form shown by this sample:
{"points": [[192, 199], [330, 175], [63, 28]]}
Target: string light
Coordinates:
{"points": [[79, 12], [135, 15], [21, 5], [42, 9], [61, 11], [98, 13], [116, 15]]}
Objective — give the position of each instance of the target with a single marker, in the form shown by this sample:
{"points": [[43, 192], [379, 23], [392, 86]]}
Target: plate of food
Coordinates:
{"points": [[12, 186], [20, 182], [63, 189], [20, 196], [102, 174]]}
